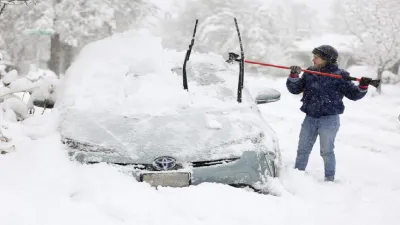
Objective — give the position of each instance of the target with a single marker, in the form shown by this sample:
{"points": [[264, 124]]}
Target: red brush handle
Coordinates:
{"points": [[308, 71]]}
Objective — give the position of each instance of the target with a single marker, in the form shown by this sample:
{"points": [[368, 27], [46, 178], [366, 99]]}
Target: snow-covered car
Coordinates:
{"points": [[122, 102]]}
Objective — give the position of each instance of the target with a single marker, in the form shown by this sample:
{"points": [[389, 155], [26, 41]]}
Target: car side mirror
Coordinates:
{"points": [[268, 95]]}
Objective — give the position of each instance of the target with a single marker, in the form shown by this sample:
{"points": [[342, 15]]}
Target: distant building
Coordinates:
{"points": [[343, 43]]}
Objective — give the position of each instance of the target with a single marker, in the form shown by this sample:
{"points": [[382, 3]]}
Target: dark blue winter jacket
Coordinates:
{"points": [[322, 95]]}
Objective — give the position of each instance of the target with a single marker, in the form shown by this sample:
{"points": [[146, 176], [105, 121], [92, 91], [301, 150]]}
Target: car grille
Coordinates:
{"points": [[147, 167], [197, 164], [213, 162], [142, 166]]}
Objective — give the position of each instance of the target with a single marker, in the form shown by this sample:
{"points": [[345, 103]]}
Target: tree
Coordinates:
{"points": [[71, 24], [376, 24], [10, 41]]}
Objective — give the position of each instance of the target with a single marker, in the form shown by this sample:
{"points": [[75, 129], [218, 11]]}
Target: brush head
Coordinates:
{"points": [[233, 57]]}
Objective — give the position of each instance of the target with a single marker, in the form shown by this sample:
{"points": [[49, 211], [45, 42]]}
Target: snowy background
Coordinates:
{"points": [[40, 185]]}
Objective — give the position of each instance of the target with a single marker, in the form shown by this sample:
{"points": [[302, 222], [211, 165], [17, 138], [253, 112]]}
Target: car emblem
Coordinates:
{"points": [[164, 163]]}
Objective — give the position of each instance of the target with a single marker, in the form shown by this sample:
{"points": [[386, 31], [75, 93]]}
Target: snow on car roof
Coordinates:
{"points": [[133, 74]]}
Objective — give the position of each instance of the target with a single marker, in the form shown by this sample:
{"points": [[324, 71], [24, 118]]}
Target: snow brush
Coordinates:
{"points": [[233, 57]]}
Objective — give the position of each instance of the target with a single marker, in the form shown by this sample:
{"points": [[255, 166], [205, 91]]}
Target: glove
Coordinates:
{"points": [[364, 82], [295, 71]]}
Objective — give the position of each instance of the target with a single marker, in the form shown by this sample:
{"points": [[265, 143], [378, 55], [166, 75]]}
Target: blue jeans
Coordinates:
{"points": [[326, 127]]}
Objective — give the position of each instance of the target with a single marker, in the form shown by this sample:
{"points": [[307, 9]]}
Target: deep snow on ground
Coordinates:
{"points": [[367, 150], [39, 185]]}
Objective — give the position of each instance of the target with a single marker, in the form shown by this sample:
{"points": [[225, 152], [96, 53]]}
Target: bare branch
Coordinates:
{"points": [[3, 7], [4, 3], [15, 2]]}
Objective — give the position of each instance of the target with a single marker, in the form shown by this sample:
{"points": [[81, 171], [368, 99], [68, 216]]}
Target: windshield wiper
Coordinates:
{"points": [[241, 65], [185, 84]]}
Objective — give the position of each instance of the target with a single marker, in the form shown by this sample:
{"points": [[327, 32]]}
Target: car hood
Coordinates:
{"points": [[187, 136]]}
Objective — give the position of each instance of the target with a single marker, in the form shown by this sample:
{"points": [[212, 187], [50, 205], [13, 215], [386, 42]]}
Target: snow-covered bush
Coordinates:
{"points": [[42, 93], [11, 106], [14, 108], [9, 77], [40, 86], [45, 94]]}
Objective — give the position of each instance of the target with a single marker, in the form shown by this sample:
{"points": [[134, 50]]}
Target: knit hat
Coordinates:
{"points": [[327, 53]]}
